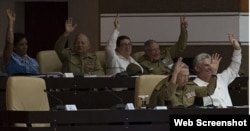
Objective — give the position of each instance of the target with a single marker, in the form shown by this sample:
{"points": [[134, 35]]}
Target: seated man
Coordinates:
{"points": [[175, 90], [77, 60], [221, 95], [118, 51], [159, 62]]}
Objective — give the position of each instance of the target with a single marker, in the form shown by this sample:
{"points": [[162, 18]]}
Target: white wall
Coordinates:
{"points": [[203, 28]]}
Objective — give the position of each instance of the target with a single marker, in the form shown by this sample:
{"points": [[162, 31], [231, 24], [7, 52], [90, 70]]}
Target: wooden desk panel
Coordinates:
{"points": [[81, 91]]}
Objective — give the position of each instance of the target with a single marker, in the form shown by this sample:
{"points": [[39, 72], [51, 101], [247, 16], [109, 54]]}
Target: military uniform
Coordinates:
{"points": [[165, 63], [167, 93], [89, 64]]}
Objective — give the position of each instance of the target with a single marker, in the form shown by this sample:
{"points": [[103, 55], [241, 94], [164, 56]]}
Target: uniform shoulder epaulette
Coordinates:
{"points": [[141, 59], [190, 83], [161, 83], [91, 55]]}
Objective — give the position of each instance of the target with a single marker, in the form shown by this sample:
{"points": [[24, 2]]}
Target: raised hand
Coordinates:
{"points": [[177, 67], [184, 23], [11, 15], [69, 27], [215, 62], [116, 23], [233, 41]]}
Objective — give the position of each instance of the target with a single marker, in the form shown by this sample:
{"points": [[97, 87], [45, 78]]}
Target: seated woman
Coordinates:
{"points": [[15, 56]]}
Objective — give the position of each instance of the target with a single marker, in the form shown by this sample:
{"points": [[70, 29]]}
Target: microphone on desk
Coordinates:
{"points": [[120, 106], [57, 107], [212, 102]]}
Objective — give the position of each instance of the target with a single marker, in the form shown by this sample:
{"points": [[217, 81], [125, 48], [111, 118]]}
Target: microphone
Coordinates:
{"points": [[212, 102], [120, 106], [57, 107]]}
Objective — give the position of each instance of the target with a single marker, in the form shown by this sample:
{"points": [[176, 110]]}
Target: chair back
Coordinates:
{"points": [[25, 93], [48, 61], [138, 55], [101, 56], [144, 85]]}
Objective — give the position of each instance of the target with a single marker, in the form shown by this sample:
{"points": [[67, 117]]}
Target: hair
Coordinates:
{"points": [[148, 43], [183, 65], [18, 37], [200, 58], [76, 37], [120, 38]]}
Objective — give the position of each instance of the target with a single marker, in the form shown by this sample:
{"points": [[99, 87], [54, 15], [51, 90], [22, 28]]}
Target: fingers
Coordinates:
{"points": [[183, 22], [216, 57], [69, 20], [116, 22], [182, 19], [179, 59], [231, 36], [233, 41], [10, 12]]}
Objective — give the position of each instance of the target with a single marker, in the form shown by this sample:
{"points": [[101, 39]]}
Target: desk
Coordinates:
{"points": [[80, 91], [105, 120]]}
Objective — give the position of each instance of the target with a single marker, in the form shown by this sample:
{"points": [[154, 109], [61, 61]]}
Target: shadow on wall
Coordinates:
{"points": [[2, 69]]}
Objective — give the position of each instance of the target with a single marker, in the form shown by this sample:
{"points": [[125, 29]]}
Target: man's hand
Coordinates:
{"points": [[215, 62], [69, 27], [11, 15], [116, 23], [184, 23], [233, 41]]}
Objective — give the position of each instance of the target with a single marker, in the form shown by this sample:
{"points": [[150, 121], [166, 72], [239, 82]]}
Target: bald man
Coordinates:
{"points": [[78, 59]]}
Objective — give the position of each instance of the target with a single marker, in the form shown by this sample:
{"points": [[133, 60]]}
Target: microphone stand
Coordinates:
{"points": [[57, 107], [120, 106], [212, 105]]}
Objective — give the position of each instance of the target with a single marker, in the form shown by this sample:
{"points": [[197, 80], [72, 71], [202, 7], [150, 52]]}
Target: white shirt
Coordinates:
{"points": [[115, 62], [221, 95]]}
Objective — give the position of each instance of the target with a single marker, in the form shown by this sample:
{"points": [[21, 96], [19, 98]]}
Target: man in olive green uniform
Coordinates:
{"points": [[155, 61], [175, 90], [77, 60]]}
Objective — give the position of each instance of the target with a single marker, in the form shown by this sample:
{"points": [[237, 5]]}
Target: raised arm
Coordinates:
{"points": [[61, 42], [116, 23], [113, 37], [233, 41], [69, 27], [209, 90], [111, 44], [215, 63], [231, 72], [9, 44], [180, 46], [172, 85]]}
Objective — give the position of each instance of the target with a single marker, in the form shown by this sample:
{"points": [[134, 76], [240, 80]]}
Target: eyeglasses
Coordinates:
{"points": [[154, 50], [124, 44]]}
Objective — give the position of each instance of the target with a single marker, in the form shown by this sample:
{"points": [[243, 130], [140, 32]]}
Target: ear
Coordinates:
{"points": [[197, 68], [88, 46]]}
